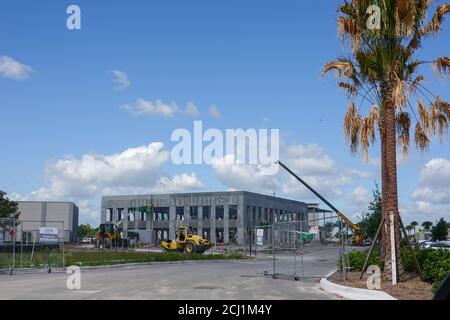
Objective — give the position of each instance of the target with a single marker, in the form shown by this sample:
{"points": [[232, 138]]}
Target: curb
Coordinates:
{"points": [[353, 293]]}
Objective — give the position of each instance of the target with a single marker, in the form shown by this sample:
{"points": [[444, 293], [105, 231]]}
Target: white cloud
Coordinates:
{"points": [[192, 110], [360, 196], [159, 108], [311, 162], [242, 177], [214, 111], [178, 183], [10, 68], [121, 79], [151, 108], [431, 199], [136, 170], [434, 182]]}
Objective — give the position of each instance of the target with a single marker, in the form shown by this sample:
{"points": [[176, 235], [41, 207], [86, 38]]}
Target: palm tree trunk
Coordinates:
{"points": [[389, 182], [383, 181]]}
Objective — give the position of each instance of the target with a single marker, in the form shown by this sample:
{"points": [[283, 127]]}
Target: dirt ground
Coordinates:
{"points": [[411, 289]]}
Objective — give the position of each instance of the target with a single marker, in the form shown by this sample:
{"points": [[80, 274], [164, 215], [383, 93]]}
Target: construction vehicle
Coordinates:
{"points": [[107, 235], [186, 241], [111, 235], [358, 235]]}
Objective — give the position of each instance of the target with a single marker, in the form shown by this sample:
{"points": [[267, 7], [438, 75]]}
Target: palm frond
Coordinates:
{"points": [[405, 17], [352, 127], [414, 84], [344, 68], [441, 66], [424, 117], [420, 138], [399, 94], [436, 22], [403, 124], [367, 130], [439, 112], [443, 106], [351, 89]]}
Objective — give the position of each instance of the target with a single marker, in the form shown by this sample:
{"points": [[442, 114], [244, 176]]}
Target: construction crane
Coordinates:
{"points": [[358, 237]]}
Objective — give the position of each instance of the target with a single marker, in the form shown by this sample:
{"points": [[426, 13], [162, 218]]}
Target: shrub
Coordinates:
{"points": [[435, 266], [356, 259], [105, 257], [408, 261]]}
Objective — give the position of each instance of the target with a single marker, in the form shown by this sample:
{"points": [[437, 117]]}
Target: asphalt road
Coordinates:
{"points": [[203, 280]]}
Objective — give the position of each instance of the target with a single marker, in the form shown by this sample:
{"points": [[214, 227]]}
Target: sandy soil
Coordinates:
{"points": [[411, 289]]}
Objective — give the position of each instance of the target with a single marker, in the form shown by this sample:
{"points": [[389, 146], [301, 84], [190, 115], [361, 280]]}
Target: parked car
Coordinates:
{"points": [[367, 243], [425, 244], [86, 241], [438, 245]]}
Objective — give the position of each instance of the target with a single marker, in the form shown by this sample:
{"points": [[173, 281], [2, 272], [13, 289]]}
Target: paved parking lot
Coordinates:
{"points": [[192, 280]]}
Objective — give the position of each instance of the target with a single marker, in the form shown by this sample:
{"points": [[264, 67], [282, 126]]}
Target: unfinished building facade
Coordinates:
{"points": [[221, 217]]}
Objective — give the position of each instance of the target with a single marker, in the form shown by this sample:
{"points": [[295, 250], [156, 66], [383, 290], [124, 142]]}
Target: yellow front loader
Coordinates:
{"points": [[107, 236], [186, 241]]}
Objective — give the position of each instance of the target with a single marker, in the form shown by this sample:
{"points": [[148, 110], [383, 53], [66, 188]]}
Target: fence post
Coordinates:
{"points": [[14, 243], [63, 261], [21, 246], [301, 248]]}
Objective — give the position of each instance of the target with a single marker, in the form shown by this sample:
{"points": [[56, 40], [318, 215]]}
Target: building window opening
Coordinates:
{"points": [[161, 213], [180, 213], [131, 215], [233, 235], [219, 235], [120, 214], [159, 235], [193, 214], [207, 234], [233, 212], [219, 212], [109, 215], [206, 212]]}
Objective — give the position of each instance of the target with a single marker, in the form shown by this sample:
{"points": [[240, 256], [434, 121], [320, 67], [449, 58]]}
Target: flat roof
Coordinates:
{"points": [[36, 201], [199, 194]]}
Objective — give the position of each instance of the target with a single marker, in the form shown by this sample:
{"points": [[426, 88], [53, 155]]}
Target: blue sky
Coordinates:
{"points": [[258, 62]]}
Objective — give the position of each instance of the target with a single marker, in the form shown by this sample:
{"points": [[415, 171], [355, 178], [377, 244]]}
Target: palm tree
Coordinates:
{"points": [[409, 228], [382, 74], [414, 225], [427, 225]]}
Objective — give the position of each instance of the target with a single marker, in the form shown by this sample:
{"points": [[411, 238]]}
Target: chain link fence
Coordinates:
{"points": [[31, 245], [300, 249], [7, 245]]}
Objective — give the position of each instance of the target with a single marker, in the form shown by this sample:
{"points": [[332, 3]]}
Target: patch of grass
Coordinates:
{"points": [[41, 258], [104, 257]]}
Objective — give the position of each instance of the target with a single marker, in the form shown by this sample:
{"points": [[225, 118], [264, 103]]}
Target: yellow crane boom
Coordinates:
{"points": [[340, 214]]}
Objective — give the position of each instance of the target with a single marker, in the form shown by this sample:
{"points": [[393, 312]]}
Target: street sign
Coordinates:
{"points": [[314, 230], [259, 236], [48, 235]]}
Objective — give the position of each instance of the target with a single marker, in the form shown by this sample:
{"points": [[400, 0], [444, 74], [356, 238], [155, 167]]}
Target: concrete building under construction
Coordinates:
{"points": [[222, 217]]}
